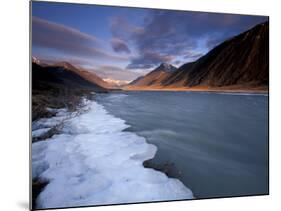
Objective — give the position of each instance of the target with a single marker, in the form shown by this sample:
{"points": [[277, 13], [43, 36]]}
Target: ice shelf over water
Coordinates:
{"points": [[94, 162]]}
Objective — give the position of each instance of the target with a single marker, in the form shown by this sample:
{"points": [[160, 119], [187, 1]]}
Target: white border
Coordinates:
{"points": [[14, 104]]}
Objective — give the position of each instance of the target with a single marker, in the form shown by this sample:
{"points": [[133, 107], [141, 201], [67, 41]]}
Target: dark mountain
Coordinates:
{"points": [[155, 77], [60, 76], [242, 60], [38, 61], [89, 76], [58, 87]]}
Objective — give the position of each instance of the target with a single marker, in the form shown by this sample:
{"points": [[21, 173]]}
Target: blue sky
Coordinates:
{"points": [[123, 43]]}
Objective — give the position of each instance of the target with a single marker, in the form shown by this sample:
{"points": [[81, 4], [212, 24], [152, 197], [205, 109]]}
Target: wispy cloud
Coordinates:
{"points": [[123, 29], [119, 45], [192, 55], [68, 41], [147, 59]]}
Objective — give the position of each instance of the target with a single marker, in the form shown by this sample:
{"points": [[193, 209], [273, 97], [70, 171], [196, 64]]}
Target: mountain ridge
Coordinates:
{"points": [[241, 62], [58, 87], [155, 76], [87, 75]]}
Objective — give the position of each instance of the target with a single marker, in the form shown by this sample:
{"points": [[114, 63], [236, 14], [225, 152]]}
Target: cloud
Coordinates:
{"points": [[148, 59], [119, 45], [172, 33], [121, 28], [69, 41], [213, 41], [177, 62], [192, 55]]}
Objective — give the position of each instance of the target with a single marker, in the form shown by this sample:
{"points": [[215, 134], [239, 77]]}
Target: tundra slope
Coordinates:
{"points": [[241, 62]]}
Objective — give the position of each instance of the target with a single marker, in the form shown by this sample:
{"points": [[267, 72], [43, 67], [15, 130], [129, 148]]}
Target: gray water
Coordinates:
{"points": [[217, 143]]}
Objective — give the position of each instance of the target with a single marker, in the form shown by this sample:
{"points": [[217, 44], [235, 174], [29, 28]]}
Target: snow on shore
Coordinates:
{"points": [[94, 162]]}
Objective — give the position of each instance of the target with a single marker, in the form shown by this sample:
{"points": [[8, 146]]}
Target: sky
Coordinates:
{"points": [[121, 44]]}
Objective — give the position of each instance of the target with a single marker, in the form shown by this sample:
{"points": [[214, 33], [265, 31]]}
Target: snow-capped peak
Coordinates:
{"points": [[167, 67], [35, 60]]}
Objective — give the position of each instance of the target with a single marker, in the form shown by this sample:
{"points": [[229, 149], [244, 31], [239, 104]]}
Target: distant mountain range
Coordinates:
{"points": [[241, 62]]}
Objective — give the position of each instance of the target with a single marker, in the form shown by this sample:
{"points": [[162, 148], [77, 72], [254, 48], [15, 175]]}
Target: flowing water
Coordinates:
{"points": [[217, 143]]}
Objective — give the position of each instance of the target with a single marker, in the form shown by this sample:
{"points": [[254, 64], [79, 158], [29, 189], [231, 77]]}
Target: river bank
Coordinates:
{"points": [[106, 163]]}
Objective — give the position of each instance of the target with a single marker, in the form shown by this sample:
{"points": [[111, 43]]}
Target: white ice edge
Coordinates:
{"points": [[94, 162], [40, 132]]}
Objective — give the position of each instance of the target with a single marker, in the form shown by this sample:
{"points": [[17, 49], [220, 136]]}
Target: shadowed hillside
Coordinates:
{"points": [[57, 87], [88, 76], [241, 62]]}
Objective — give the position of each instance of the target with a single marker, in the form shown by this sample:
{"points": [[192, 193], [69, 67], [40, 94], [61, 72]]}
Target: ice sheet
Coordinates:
{"points": [[94, 161]]}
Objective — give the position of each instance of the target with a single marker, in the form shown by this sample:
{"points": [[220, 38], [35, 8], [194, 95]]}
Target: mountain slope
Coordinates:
{"points": [[61, 76], [242, 60], [58, 87], [89, 76], [155, 77]]}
